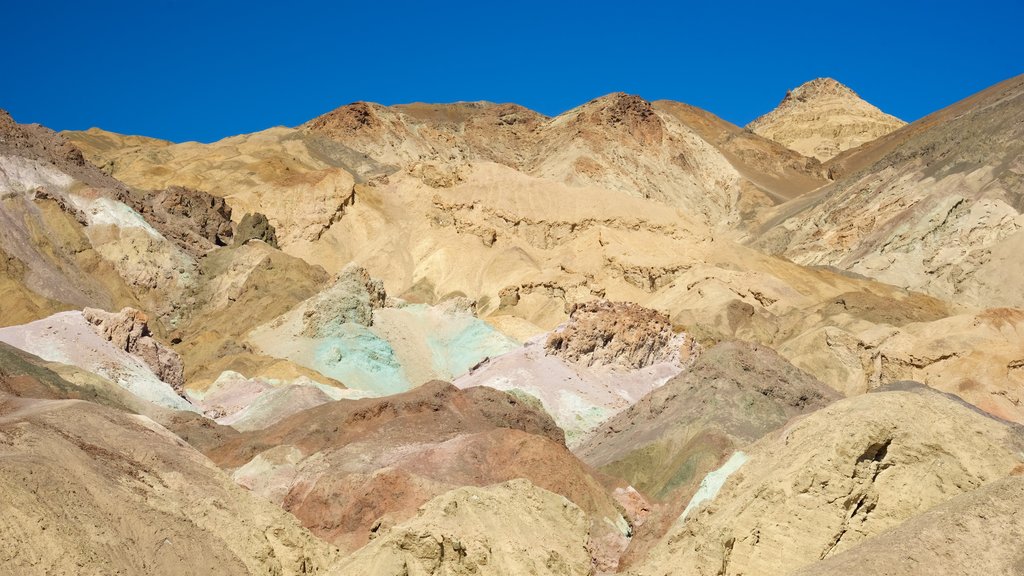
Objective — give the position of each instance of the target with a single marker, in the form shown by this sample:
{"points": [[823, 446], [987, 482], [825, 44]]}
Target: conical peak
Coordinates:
{"points": [[818, 88]]}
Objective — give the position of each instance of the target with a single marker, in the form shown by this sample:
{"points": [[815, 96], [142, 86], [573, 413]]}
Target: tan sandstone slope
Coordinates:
{"points": [[975, 534], [835, 478], [822, 118], [505, 530], [91, 490]]}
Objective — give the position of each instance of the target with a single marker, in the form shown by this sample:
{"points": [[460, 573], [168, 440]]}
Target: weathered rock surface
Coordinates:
{"points": [[351, 298], [580, 396], [822, 118], [934, 207], [975, 534], [255, 226], [837, 477], [342, 466], [129, 331], [666, 443], [69, 338], [615, 333], [506, 529], [195, 220], [89, 489]]}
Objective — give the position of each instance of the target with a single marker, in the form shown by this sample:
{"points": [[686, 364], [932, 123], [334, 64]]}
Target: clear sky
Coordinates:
{"points": [[192, 70]]}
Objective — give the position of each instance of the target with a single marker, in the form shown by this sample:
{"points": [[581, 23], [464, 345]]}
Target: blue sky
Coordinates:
{"points": [[190, 70]]}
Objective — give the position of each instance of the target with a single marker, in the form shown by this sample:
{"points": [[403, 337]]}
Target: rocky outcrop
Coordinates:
{"points": [[129, 330], [614, 334], [193, 219], [255, 226], [509, 528], [352, 298], [822, 118], [837, 477]]}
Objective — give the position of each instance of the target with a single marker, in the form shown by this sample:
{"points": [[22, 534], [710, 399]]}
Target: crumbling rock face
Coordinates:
{"points": [[129, 331], [255, 226], [195, 220], [352, 298], [632, 113], [614, 333]]}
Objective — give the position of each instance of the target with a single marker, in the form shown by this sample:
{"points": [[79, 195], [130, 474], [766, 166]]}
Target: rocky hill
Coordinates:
{"points": [[822, 118], [675, 345]]}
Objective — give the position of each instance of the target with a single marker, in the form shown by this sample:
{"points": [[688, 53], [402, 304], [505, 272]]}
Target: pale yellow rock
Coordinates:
{"points": [[836, 477], [822, 118], [505, 530]]}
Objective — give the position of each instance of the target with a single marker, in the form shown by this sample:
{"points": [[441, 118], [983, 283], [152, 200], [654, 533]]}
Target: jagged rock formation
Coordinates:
{"points": [[352, 298], [604, 359], [666, 443], [70, 338], [255, 226], [129, 330], [822, 118], [195, 220], [347, 333], [602, 333], [836, 478], [72, 237], [510, 528]]}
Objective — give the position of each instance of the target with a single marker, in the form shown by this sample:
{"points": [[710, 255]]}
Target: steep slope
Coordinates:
{"points": [[777, 171], [73, 338], [936, 207], [666, 443], [70, 235], [88, 489], [835, 478], [505, 529], [822, 118], [975, 534]]}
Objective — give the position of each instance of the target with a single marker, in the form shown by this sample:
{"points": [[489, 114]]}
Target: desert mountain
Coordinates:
{"points": [[934, 207], [822, 118], [676, 345]]}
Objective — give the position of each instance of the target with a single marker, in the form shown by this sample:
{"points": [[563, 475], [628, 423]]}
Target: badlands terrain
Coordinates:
{"points": [[453, 339]]}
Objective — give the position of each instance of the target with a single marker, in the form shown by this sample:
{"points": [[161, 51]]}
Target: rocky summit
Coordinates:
{"points": [[471, 338]]}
